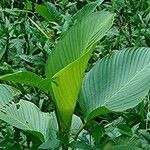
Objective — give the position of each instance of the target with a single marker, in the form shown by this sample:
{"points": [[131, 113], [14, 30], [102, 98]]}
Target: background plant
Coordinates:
{"points": [[34, 46]]}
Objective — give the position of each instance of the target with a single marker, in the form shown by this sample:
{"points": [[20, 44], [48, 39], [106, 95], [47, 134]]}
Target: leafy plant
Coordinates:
{"points": [[116, 83]]}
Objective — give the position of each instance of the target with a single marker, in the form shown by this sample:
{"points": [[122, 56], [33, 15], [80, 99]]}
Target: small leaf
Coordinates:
{"points": [[50, 144], [76, 124], [47, 10], [2, 52], [124, 129], [79, 145], [6, 94]]}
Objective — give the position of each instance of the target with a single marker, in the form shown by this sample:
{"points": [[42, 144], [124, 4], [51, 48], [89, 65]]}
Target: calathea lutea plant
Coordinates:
{"points": [[116, 83]]}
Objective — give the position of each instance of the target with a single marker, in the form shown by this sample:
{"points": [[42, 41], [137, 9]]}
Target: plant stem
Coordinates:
{"points": [[64, 131], [65, 137]]}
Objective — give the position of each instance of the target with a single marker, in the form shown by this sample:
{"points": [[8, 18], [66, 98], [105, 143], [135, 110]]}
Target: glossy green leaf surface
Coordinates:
{"points": [[66, 65], [86, 10], [47, 11], [117, 82], [28, 78], [79, 38]]}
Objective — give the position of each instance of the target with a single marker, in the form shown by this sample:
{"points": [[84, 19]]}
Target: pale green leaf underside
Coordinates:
{"points": [[117, 82], [28, 78], [25, 115], [76, 124], [6, 94], [28, 117], [70, 59]]}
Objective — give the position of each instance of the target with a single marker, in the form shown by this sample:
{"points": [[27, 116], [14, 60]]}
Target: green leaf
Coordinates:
{"points": [[79, 145], [48, 11], [36, 60], [65, 85], [6, 94], [145, 135], [117, 5], [78, 40], [55, 143], [2, 52], [124, 129], [28, 78], [97, 131], [123, 147], [76, 124], [67, 63], [86, 10], [26, 116], [130, 141], [50, 144], [117, 82], [39, 28]]}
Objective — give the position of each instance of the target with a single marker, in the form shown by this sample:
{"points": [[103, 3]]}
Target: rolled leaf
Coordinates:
{"points": [[67, 64]]}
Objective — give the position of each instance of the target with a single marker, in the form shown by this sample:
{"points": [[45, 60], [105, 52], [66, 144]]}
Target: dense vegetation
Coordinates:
{"points": [[75, 74]]}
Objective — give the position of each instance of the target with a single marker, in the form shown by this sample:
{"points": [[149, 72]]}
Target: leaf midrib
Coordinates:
{"points": [[107, 101]]}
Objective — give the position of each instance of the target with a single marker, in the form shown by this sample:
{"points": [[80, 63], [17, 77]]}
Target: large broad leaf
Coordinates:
{"points": [[28, 78], [26, 116], [77, 41], [66, 85], [66, 65], [117, 82]]}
